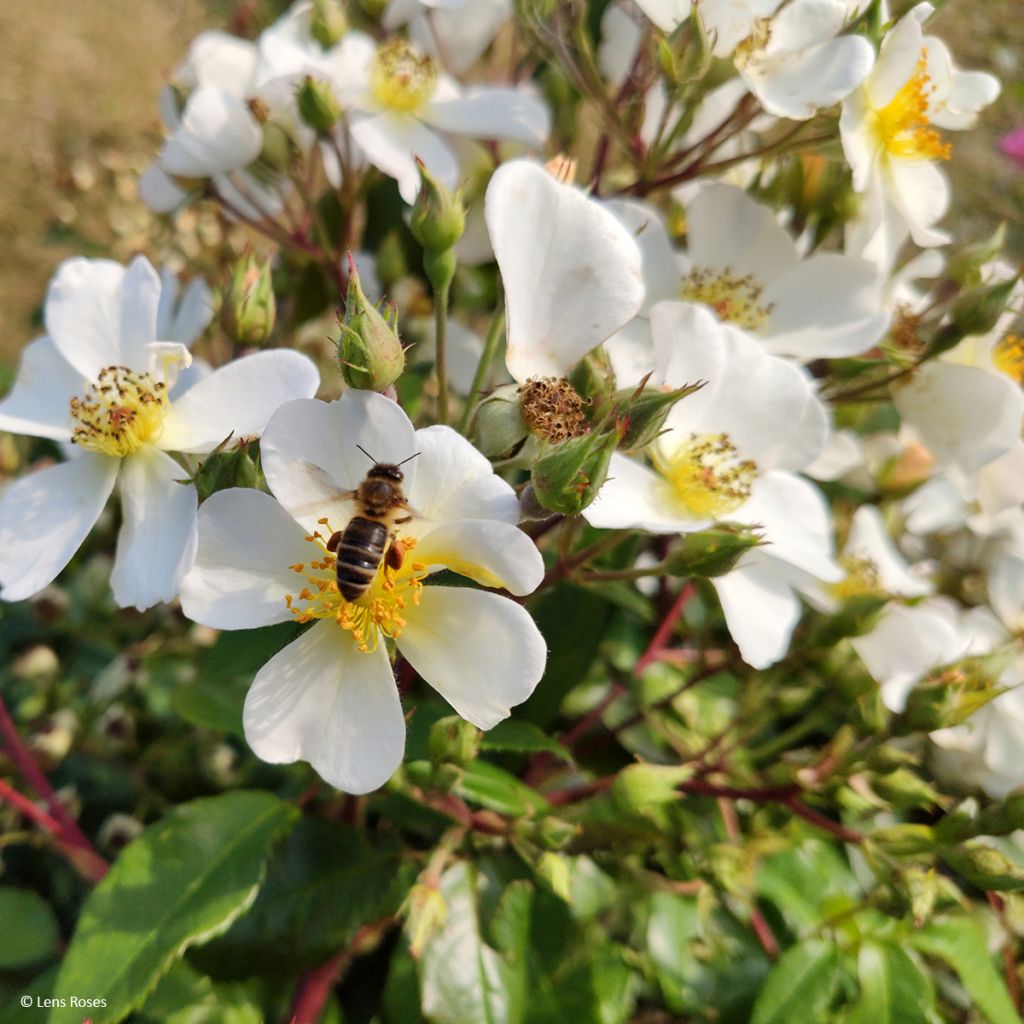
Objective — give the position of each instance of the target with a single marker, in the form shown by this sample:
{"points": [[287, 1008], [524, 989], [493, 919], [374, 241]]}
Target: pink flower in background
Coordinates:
{"points": [[1013, 145]]}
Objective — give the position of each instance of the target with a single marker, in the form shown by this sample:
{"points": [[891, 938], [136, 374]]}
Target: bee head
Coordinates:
{"points": [[386, 471]]}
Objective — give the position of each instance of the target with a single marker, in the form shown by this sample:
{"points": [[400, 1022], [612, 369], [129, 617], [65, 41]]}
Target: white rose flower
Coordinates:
{"points": [[330, 697], [888, 129], [730, 452], [571, 271], [742, 265], [102, 381]]}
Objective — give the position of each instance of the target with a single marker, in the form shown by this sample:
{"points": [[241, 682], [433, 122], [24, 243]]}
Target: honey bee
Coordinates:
{"points": [[369, 537]]}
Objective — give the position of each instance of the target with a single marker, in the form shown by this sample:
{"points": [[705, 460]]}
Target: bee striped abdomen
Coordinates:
{"points": [[360, 551]]}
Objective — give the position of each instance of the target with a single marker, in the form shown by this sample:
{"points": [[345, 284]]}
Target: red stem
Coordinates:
{"points": [[315, 988], [661, 636], [87, 859]]}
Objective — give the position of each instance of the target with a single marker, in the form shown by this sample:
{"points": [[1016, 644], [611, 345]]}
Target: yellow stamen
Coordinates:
{"points": [[400, 78], [861, 578], [902, 124], [1008, 357], [706, 476], [120, 413], [755, 44], [733, 298], [378, 612]]}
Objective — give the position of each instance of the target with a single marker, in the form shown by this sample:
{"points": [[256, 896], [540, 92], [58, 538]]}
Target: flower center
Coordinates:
{"points": [[861, 578], [120, 413], [400, 78], [733, 298], [1008, 357], [552, 409], [378, 612], [706, 475], [902, 125], [754, 45]]}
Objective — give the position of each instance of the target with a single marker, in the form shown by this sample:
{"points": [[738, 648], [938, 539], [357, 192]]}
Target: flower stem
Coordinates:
{"points": [[441, 356], [486, 358]]}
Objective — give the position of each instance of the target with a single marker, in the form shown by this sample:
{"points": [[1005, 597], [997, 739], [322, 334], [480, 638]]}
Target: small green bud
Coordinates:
{"points": [[327, 22], [318, 105], [228, 466], [279, 150], [712, 552], [373, 8], [453, 740], [905, 840], [439, 266], [556, 833], [391, 264], [249, 310], [553, 868], [905, 788], [641, 412], [370, 352], [977, 310], [594, 380], [959, 824], [642, 788], [500, 428], [965, 267], [1004, 817], [952, 694], [425, 911], [923, 889], [567, 476], [984, 866], [438, 216]]}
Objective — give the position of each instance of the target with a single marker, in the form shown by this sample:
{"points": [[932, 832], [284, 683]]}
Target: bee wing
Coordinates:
{"points": [[325, 488]]}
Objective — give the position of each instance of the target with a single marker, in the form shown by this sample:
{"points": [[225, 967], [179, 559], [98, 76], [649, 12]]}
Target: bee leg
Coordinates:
{"points": [[404, 519], [332, 544]]}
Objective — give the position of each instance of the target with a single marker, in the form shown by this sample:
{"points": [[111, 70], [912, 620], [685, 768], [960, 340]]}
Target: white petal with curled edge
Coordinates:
{"points": [[454, 481], [391, 143], [241, 573], [157, 542], [320, 700], [217, 133], [825, 307], [725, 228], [83, 314], [906, 644], [486, 112], [37, 404], [492, 554], [572, 273], [921, 193], [798, 85], [310, 452], [238, 398], [45, 516], [796, 523], [483, 653], [965, 415], [761, 610], [159, 192], [635, 497]]}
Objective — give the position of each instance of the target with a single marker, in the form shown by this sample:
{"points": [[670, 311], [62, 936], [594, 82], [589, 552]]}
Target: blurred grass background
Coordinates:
{"points": [[79, 81]]}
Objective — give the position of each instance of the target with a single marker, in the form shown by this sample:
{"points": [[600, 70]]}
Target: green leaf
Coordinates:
{"points": [[893, 988], [29, 933], [492, 787], [323, 882], [465, 981], [184, 880], [523, 737], [807, 883], [673, 927], [800, 985], [184, 996], [961, 943]]}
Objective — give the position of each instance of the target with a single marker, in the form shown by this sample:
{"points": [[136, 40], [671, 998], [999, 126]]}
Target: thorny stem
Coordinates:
{"points": [[486, 358], [61, 825]]}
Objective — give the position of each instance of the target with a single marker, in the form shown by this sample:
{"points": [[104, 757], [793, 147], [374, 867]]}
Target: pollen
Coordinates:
{"points": [[552, 409], [401, 78], [1008, 357], [706, 476], [755, 44], [732, 297], [861, 580], [903, 126], [120, 413], [379, 612]]}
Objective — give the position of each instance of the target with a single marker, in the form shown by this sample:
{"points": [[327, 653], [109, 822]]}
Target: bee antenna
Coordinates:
{"points": [[411, 457], [366, 453]]}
